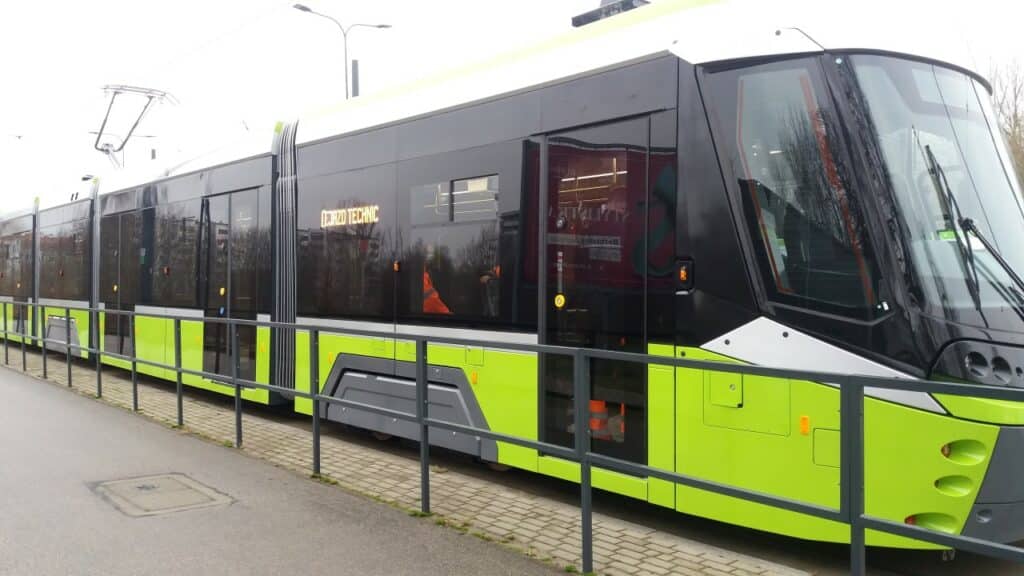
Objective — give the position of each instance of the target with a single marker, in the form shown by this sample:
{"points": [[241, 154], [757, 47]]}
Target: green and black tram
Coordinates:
{"points": [[640, 184]]}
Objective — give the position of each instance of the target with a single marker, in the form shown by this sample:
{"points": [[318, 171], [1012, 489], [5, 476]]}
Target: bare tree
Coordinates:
{"points": [[1008, 98]]}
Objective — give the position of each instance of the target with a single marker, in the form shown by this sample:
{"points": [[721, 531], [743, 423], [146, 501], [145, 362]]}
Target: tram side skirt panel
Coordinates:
{"points": [[502, 383], [907, 475], [366, 380]]}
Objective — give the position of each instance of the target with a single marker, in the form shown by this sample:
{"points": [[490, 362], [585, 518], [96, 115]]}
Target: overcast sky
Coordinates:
{"points": [[237, 65]]}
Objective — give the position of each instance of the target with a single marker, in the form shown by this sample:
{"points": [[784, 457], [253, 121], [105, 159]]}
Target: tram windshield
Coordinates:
{"points": [[947, 161]]}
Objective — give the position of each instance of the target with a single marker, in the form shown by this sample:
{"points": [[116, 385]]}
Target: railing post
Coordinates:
{"points": [[24, 335], [42, 341], [234, 380], [135, 369], [314, 389], [581, 404], [7, 336], [422, 399], [94, 333], [177, 369], [852, 460], [67, 342]]}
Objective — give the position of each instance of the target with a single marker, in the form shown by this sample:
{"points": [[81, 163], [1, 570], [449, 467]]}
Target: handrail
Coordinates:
{"points": [[872, 381], [852, 386]]}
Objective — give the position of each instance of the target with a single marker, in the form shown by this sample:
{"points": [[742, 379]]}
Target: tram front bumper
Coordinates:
{"points": [[998, 512]]}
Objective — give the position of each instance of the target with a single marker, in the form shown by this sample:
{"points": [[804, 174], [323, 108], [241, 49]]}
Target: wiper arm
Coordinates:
{"points": [[969, 226], [948, 204]]}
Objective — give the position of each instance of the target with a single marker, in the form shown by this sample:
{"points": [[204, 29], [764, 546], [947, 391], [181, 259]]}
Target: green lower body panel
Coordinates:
{"points": [[984, 409], [54, 322], [109, 346], [192, 359], [775, 436], [791, 449], [329, 346], [154, 344], [152, 347], [609, 480], [504, 383], [13, 328]]}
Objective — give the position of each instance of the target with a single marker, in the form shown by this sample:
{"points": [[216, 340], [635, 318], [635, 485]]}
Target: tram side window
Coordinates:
{"points": [[346, 244], [245, 267], [5, 266], [110, 238], [75, 260], [264, 252], [17, 271], [23, 280], [110, 246], [130, 260], [453, 249], [9, 271], [49, 262], [813, 247], [176, 241]]}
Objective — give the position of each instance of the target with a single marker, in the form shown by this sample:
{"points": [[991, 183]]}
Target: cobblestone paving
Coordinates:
{"points": [[538, 526]]}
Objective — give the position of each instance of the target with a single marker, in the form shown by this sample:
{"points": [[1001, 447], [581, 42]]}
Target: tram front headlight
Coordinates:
{"points": [[995, 370], [976, 364]]}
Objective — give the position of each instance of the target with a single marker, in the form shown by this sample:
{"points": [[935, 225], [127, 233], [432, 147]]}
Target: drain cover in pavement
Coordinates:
{"points": [[162, 494]]}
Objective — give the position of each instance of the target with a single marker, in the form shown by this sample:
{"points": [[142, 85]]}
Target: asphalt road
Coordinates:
{"points": [[56, 446]]}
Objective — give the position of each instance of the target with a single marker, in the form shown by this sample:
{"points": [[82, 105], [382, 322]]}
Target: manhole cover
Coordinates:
{"points": [[162, 494]]}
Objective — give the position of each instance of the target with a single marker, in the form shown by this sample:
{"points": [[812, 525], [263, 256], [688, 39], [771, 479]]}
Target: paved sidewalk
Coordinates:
{"points": [[55, 518], [540, 527]]}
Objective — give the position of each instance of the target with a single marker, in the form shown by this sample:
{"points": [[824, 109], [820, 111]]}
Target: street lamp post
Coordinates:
{"points": [[344, 33]]}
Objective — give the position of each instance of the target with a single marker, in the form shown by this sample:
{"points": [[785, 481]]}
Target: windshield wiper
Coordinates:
{"points": [[967, 224], [948, 204]]}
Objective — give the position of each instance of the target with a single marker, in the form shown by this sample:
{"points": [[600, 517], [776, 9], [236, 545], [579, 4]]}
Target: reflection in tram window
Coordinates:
{"points": [[345, 263], [794, 188], [119, 278], [454, 247], [596, 252], [116, 337]]}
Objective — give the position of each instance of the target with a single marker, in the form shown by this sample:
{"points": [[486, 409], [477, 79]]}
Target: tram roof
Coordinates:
{"points": [[698, 31]]}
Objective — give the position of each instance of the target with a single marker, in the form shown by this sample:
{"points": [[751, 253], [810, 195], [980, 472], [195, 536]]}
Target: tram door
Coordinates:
{"points": [[119, 278], [227, 279], [595, 242]]}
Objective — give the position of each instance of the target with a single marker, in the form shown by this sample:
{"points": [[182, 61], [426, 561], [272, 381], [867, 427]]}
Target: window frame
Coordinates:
{"points": [[452, 223], [505, 160], [18, 270], [336, 190], [832, 135]]}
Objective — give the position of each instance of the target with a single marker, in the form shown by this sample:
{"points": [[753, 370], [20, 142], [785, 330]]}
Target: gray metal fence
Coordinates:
{"points": [[851, 501]]}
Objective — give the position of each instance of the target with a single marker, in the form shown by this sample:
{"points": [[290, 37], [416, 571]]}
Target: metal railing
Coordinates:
{"points": [[852, 393]]}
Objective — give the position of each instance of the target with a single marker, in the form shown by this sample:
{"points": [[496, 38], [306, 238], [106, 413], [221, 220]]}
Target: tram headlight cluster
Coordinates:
{"points": [[993, 370], [990, 363]]}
